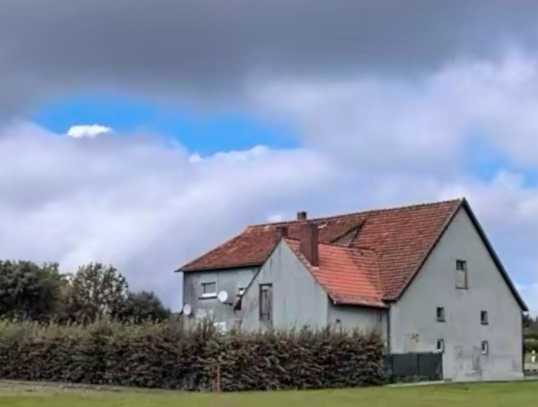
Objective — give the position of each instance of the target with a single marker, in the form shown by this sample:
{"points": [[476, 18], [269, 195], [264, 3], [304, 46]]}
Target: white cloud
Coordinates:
{"points": [[147, 208], [423, 123], [136, 202], [88, 131]]}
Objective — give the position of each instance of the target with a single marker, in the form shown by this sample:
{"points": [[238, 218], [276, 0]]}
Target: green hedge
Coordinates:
{"points": [[168, 356]]}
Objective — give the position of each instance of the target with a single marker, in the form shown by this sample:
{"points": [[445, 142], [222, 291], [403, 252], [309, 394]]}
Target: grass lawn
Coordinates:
{"points": [[521, 394]]}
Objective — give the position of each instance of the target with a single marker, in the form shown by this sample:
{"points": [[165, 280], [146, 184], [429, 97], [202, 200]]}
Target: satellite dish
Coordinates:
{"points": [[223, 296], [187, 310]]}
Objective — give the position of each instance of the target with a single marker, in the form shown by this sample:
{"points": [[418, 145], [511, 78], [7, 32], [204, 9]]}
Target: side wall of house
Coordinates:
{"points": [[227, 280], [362, 318], [298, 300], [414, 326]]}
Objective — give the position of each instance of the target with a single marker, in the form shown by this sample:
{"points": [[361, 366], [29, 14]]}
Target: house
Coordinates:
{"points": [[425, 277]]}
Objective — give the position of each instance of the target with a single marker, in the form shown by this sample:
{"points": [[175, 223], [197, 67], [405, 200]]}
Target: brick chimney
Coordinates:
{"points": [[281, 232], [302, 215], [309, 242]]}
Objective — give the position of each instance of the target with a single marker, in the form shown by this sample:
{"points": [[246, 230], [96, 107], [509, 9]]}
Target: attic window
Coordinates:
{"points": [[209, 289], [440, 314], [462, 278]]}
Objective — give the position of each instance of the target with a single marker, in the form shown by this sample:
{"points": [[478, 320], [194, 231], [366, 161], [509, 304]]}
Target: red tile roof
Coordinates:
{"points": [[349, 275], [387, 246], [365, 258]]}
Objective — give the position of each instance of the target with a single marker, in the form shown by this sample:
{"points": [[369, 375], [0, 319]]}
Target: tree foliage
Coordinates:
{"points": [[29, 291], [34, 292], [141, 307], [94, 292]]}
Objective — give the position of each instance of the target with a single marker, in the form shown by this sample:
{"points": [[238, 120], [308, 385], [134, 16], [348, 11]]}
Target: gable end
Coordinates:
{"points": [[465, 205]]}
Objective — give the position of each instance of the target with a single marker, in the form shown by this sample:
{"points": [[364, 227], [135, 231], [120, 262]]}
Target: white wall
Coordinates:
{"points": [[413, 318], [227, 280], [298, 300], [365, 319]]}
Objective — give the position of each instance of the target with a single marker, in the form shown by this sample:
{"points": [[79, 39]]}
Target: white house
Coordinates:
{"points": [[425, 277]]}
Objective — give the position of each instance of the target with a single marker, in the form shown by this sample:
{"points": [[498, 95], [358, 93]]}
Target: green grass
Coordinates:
{"points": [[521, 394]]}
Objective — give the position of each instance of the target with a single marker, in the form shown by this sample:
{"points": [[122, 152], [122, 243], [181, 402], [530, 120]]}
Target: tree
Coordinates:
{"points": [[141, 307], [29, 291], [95, 291]]}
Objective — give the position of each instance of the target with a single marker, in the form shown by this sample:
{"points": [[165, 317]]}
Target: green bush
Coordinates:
{"points": [[165, 355], [531, 345]]}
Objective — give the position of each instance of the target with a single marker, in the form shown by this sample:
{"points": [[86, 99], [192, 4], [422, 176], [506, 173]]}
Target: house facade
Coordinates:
{"points": [[424, 277]]}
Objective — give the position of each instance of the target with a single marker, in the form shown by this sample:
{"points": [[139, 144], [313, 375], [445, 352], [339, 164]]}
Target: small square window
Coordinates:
{"points": [[209, 289], [461, 265], [485, 347], [484, 318], [440, 314], [440, 346]]}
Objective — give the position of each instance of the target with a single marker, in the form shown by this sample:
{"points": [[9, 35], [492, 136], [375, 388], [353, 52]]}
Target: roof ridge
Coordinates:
{"points": [[365, 212]]}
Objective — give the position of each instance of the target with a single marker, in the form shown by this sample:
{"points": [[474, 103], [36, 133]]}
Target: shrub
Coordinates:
{"points": [[165, 355], [531, 345]]}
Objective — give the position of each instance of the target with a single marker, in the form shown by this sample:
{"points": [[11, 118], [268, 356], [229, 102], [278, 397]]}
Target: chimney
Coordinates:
{"points": [[309, 243], [302, 216], [281, 232]]}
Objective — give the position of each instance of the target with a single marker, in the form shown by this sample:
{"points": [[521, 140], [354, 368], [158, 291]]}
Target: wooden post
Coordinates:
{"points": [[216, 381]]}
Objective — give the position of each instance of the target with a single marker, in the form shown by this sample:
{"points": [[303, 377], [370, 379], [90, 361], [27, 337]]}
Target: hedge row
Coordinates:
{"points": [[167, 356]]}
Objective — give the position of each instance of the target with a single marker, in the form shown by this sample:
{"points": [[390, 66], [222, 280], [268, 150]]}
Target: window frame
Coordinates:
{"points": [[462, 267], [440, 345], [440, 314], [484, 317], [208, 294], [268, 315], [484, 347]]}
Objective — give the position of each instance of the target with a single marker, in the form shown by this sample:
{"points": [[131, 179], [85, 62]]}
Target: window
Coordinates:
{"points": [[440, 314], [462, 281], [440, 346], [484, 318], [266, 302], [209, 289], [485, 347]]}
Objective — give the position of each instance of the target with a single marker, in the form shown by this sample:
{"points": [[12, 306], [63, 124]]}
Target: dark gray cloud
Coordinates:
{"points": [[208, 48]]}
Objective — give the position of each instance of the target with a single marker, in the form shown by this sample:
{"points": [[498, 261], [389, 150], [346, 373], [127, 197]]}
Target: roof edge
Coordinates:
{"points": [[467, 207], [495, 257]]}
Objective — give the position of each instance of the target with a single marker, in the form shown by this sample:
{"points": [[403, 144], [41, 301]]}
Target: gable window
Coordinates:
{"points": [[209, 289], [440, 314], [266, 302], [484, 318], [440, 346], [462, 278], [485, 347]]}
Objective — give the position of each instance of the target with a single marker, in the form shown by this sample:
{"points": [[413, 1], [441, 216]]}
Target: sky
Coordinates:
{"points": [[142, 134]]}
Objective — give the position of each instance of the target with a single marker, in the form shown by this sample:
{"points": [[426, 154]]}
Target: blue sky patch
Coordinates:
{"points": [[203, 133]]}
